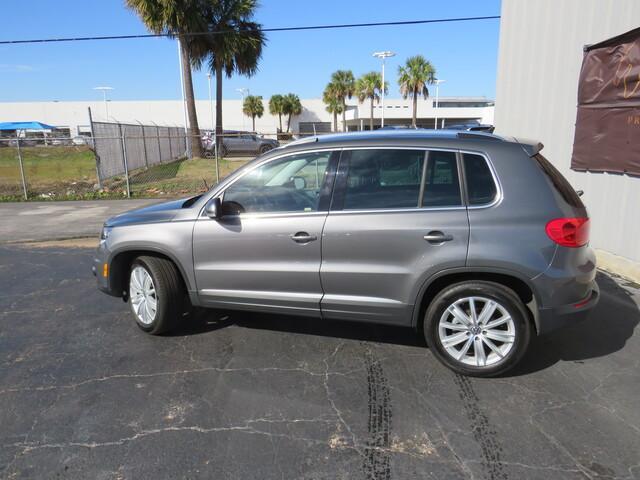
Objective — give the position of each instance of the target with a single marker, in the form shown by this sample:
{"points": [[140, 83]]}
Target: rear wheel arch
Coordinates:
{"points": [[439, 281]]}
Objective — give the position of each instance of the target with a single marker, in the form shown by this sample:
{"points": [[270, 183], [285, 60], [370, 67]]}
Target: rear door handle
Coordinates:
{"points": [[303, 237], [437, 237]]}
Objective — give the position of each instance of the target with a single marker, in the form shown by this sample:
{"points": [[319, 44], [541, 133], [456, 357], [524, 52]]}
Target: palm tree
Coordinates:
{"points": [[292, 106], [276, 104], [333, 102], [344, 84], [253, 108], [235, 45], [176, 18], [369, 86], [413, 78]]}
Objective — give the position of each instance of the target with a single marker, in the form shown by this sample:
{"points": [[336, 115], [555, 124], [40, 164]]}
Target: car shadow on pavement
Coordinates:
{"points": [[204, 320], [604, 332]]}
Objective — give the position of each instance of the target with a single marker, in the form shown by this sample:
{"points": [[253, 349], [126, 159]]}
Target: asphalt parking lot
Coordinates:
{"points": [[85, 394]]}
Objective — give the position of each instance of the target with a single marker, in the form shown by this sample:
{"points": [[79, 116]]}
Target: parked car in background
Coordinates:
{"points": [[476, 241], [239, 143], [80, 140]]}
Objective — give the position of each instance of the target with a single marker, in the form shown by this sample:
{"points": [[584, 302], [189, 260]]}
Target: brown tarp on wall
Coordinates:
{"points": [[607, 135]]}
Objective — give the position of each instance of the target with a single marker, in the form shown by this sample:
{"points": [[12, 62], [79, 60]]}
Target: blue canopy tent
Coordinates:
{"points": [[25, 126]]}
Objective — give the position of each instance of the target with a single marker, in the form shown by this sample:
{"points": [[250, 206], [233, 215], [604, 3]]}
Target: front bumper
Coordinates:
{"points": [[550, 319], [100, 259]]}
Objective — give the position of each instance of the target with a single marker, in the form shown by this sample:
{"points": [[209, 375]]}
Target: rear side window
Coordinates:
{"points": [[560, 183], [442, 186], [379, 179], [481, 187]]}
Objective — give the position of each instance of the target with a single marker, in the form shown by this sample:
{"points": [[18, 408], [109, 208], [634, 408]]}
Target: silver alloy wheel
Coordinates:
{"points": [[142, 292], [477, 331]]}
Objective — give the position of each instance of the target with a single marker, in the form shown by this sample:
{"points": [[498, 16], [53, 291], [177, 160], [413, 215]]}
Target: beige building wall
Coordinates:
{"points": [[541, 48], [170, 112]]}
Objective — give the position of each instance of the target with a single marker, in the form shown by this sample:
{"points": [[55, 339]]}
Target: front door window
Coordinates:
{"points": [[291, 184]]}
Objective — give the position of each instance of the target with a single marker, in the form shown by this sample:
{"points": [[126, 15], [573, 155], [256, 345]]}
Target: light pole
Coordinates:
{"points": [[383, 55], [104, 91], [435, 121], [243, 91]]}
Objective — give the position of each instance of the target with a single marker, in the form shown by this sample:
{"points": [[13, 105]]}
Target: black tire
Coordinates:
{"points": [[265, 149], [169, 294], [507, 299]]}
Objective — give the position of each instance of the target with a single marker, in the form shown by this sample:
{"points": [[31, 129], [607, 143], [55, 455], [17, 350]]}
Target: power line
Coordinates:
{"points": [[278, 29]]}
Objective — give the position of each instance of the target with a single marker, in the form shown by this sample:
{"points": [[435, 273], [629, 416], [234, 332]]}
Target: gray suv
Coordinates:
{"points": [[238, 143], [477, 241]]}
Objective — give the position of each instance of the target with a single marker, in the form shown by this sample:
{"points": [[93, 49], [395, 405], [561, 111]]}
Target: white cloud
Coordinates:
{"points": [[16, 68]]}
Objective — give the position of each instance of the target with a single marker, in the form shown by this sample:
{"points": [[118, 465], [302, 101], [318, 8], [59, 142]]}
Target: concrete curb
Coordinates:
{"points": [[622, 266]]}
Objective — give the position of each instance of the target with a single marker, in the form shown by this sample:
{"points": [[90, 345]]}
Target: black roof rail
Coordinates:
{"points": [[479, 135]]}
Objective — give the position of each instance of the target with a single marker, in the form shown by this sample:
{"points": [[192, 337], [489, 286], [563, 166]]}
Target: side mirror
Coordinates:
{"points": [[299, 183], [214, 208]]}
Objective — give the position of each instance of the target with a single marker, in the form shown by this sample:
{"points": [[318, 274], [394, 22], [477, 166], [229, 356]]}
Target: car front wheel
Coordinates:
{"points": [[155, 294], [478, 328]]}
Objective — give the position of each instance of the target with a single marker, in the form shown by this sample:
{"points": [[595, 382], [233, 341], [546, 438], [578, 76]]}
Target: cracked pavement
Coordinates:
{"points": [[85, 394]]}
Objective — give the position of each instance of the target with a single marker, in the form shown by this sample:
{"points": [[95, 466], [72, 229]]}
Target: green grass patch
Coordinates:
{"points": [[64, 173]]}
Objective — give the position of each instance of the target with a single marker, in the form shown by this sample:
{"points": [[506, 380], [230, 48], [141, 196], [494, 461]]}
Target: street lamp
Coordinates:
{"points": [[243, 91], [383, 55], [104, 91], [435, 121]]}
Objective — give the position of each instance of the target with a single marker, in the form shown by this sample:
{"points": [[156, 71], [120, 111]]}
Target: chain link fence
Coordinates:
{"points": [[142, 162], [124, 160]]}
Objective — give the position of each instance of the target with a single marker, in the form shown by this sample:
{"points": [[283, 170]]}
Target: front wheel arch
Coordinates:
{"points": [[120, 265]]}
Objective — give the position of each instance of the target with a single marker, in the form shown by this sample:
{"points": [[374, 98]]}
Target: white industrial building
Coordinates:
{"points": [[541, 51], [74, 115]]}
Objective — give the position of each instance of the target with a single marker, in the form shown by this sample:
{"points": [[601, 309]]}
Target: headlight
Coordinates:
{"points": [[104, 234]]}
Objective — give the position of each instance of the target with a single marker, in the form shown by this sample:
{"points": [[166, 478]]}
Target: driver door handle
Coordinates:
{"points": [[437, 237], [303, 237]]}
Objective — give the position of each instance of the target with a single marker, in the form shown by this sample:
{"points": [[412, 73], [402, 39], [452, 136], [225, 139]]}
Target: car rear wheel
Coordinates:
{"points": [[265, 148], [478, 328], [155, 294]]}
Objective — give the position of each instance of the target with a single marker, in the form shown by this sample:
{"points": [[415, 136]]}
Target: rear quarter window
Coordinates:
{"points": [[561, 184], [481, 187]]}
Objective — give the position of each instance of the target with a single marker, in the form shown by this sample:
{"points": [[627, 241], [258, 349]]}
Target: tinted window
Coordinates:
{"points": [[382, 178], [481, 188], [442, 186], [291, 184], [561, 184]]}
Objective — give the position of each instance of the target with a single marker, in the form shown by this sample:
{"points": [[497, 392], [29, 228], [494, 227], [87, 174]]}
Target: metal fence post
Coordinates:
{"points": [[124, 158], [170, 146], [144, 147], [95, 151], [24, 183], [159, 146]]}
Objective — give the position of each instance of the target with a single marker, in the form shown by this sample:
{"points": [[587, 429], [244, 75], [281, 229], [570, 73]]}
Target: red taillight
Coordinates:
{"points": [[569, 232]]}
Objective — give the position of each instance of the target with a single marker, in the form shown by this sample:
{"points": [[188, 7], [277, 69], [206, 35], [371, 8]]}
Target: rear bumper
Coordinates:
{"points": [[550, 319]]}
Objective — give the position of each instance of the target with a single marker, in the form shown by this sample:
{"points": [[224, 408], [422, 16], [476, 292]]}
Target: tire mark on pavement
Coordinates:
{"points": [[377, 458], [482, 430]]}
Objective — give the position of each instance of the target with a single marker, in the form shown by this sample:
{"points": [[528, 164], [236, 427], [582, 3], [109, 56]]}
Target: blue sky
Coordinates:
{"points": [[464, 54]]}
